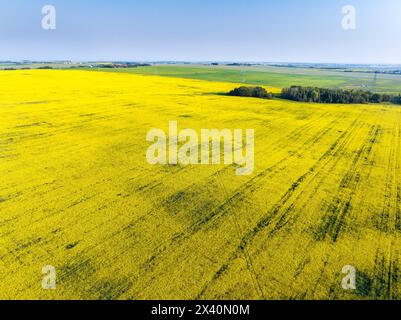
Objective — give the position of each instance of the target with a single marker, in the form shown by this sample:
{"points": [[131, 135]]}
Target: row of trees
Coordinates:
{"points": [[253, 92], [396, 99], [320, 95]]}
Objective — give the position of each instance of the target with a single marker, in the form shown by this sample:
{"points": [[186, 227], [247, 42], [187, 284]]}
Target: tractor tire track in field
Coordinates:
{"points": [[301, 200], [248, 258], [363, 279], [237, 193], [398, 183], [237, 196], [253, 184], [334, 221], [295, 135], [288, 220], [267, 219], [390, 218], [383, 222], [242, 192], [381, 285]]}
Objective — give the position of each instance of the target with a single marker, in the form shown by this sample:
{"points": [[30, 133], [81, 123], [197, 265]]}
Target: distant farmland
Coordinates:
{"points": [[76, 192], [276, 76]]}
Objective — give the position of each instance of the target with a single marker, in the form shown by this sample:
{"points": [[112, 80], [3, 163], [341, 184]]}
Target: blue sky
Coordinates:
{"points": [[202, 30]]}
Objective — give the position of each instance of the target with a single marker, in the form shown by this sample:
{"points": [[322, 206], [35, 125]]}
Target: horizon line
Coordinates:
{"points": [[196, 61]]}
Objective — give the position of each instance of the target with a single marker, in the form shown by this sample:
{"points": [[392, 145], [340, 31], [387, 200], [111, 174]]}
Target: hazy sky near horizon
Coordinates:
{"points": [[202, 30]]}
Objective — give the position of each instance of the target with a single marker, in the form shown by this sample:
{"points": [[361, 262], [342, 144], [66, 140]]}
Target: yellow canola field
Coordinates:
{"points": [[77, 193]]}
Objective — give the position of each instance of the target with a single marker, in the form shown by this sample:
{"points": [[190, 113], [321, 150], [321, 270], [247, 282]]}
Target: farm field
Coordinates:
{"points": [[275, 76], [76, 192]]}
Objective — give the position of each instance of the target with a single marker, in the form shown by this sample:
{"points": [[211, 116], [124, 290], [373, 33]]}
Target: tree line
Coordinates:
{"points": [[320, 95], [251, 92]]}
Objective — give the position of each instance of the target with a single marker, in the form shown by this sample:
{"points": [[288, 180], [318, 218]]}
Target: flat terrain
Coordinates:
{"points": [[77, 193], [276, 76]]}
